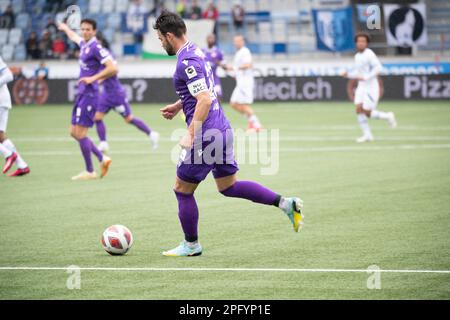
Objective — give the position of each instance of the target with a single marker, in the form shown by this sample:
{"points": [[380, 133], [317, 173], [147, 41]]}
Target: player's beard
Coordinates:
{"points": [[170, 50]]}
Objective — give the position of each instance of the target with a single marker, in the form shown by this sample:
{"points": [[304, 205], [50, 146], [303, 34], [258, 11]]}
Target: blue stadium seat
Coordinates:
{"points": [[20, 53], [15, 36], [114, 21], [122, 6], [279, 48], [266, 48], [22, 21], [109, 35], [3, 36], [95, 6], [7, 52], [4, 4]]}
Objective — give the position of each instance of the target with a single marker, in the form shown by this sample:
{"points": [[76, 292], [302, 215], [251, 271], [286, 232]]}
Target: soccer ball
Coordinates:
{"points": [[117, 240]]}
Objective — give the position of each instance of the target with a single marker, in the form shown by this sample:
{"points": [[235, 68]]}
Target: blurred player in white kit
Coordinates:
{"points": [[242, 96], [367, 94], [7, 148]]}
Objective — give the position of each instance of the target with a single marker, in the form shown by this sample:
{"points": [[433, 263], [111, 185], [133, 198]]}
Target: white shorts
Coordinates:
{"points": [[242, 95], [368, 97], [3, 118]]}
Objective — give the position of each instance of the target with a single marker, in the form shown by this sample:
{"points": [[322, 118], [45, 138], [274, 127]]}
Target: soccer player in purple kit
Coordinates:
{"points": [[92, 58], [215, 57], [194, 83], [114, 97]]}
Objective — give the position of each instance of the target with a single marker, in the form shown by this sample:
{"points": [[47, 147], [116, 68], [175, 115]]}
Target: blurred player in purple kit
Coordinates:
{"points": [[95, 64], [215, 57], [113, 97], [194, 84]]}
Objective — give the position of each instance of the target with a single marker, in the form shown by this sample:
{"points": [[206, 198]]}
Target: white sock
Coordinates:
{"points": [[153, 136], [253, 119], [5, 151], [283, 205], [364, 124], [20, 163], [375, 114]]}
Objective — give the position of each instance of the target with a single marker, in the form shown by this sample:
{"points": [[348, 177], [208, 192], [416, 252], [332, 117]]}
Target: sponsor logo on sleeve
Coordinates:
{"points": [[190, 72]]}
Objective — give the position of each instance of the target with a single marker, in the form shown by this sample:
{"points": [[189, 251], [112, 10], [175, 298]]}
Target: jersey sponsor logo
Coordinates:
{"points": [[197, 86], [104, 53], [191, 72]]}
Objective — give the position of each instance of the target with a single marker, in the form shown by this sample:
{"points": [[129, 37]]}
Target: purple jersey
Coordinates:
{"points": [[112, 86], [92, 58], [215, 57], [193, 76]]}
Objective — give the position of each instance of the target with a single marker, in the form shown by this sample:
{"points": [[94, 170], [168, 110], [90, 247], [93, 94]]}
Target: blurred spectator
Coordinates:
{"points": [[51, 27], [196, 11], [46, 45], [212, 13], [52, 6], [136, 7], [32, 46], [238, 14], [41, 72], [182, 9], [73, 50], [158, 8], [7, 19], [59, 47], [136, 17]]}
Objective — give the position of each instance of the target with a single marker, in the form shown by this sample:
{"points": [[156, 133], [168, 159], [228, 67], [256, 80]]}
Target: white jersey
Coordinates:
{"points": [[368, 67], [244, 78], [5, 77]]}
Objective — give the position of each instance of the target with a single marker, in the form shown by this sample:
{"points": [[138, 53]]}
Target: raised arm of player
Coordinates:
{"points": [[70, 33], [5, 76]]}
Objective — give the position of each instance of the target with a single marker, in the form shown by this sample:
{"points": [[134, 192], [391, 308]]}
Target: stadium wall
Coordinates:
{"points": [[267, 89]]}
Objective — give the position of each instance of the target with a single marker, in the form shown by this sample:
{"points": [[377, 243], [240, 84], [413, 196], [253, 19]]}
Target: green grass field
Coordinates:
{"points": [[385, 203]]}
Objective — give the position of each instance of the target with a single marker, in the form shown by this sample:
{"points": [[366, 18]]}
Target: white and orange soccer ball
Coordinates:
{"points": [[117, 240]]}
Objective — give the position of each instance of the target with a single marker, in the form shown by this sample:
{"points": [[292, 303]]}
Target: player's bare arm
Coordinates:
{"points": [[109, 71], [201, 113], [70, 33], [171, 110]]}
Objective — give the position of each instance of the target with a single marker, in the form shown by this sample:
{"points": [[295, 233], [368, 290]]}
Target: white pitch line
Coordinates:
{"points": [[224, 270], [260, 138], [284, 150]]}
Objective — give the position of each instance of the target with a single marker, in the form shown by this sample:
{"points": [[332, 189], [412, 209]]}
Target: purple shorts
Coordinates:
{"points": [[83, 112], [118, 103], [195, 164]]}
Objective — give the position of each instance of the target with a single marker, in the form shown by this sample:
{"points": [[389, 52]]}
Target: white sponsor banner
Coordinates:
{"points": [[405, 25], [165, 69]]}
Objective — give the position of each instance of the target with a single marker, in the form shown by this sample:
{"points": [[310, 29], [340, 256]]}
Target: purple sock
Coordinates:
{"points": [[85, 146], [95, 151], [101, 130], [188, 215], [252, 191], [138, 123]]}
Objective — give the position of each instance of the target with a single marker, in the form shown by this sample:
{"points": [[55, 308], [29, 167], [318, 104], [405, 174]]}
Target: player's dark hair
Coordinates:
{"points": [[363, 35], [170, 22], [92, 22]]}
